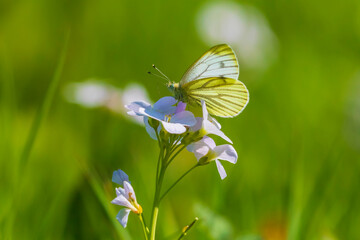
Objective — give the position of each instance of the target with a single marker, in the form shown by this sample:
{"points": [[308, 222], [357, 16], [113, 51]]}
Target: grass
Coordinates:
{"points": [[298, 168]]}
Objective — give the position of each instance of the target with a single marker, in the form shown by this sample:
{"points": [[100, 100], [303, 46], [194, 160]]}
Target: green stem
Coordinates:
{"points": [[160, 155], [174, 156], [158, 166], [155, 210], [153, 222], [143, 226], [176, 145], [166, 156], [186, 173], [187, 228]]}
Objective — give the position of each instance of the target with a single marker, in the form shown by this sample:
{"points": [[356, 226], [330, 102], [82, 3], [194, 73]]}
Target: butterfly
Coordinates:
{"points": [[213, 79]]}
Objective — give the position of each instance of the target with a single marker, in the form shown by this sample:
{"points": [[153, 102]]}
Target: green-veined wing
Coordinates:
{"points": [[219, 61], [224, 97]]}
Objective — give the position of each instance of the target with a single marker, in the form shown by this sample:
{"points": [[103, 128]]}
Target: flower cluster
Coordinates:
{"points": [[175, 129], [168, 119]]}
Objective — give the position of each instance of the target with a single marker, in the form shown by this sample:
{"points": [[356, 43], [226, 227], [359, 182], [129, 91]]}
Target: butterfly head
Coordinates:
{"points": [[172, 86]]}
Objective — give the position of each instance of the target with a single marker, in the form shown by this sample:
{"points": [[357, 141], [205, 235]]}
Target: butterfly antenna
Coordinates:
{"points": [[161, 72], [155, 75]]}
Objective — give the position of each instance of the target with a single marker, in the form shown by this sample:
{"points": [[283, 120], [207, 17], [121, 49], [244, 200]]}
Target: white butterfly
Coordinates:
{"points": [[213, 78]]}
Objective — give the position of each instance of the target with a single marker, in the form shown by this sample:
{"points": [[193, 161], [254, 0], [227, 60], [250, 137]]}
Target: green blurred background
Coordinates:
{"points": [[298, 140]]}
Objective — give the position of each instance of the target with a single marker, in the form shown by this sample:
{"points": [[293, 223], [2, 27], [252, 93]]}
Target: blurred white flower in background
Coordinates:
{"points": [[95, 93], [89, 94], [243, 27]]}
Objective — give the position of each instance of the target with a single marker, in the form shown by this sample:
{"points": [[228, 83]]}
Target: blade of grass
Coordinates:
{"points": [[45, 107], [39, 118], [95, 181]]}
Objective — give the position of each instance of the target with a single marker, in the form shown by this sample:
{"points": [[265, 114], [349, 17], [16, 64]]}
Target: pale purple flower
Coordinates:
{"points": [[206, 151], [125, 197], [119, 176], [181, 106], [208, 125], [173, 119]]}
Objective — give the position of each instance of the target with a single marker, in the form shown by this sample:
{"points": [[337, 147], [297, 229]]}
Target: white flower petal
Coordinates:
{"points": [[165, 105], [226, 152], [174, 128], [204, 110], [198, 124], [221, 169], [119, 191], [201, 152], [137, 108], [132, 113], [142, 108], [119, 177], [192, 147], [214, 121], [185, 118], [209, 141], [210, 128], [199, 148], [122, 201], [129, 191], [149, 129], [123, 216]]}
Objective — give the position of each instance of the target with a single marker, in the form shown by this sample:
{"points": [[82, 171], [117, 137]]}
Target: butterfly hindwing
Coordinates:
{"points": [[224, 97], [219, 61]]}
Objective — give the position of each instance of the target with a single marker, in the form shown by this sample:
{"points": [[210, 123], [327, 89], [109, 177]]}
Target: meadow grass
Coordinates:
{"points": [[298, 172]]}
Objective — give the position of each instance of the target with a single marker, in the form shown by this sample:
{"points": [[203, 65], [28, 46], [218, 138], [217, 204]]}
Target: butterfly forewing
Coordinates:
{"points": [[224, 97], [219, 61]]}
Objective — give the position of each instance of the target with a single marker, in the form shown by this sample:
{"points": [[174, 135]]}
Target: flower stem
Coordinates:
{"points": [[173, 185], [143, 224], [174, 156], [155, 210], [158, 166], [187, 228], [160, 157], [166, 156]]}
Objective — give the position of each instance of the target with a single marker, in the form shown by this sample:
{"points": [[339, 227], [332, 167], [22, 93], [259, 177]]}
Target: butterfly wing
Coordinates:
{"points": [[219, 61], [224, 97]]}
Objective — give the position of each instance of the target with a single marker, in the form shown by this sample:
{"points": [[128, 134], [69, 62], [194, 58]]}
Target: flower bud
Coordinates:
{"points": [[204, 161], [164, 136], [154, 123], [191, 137]]}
